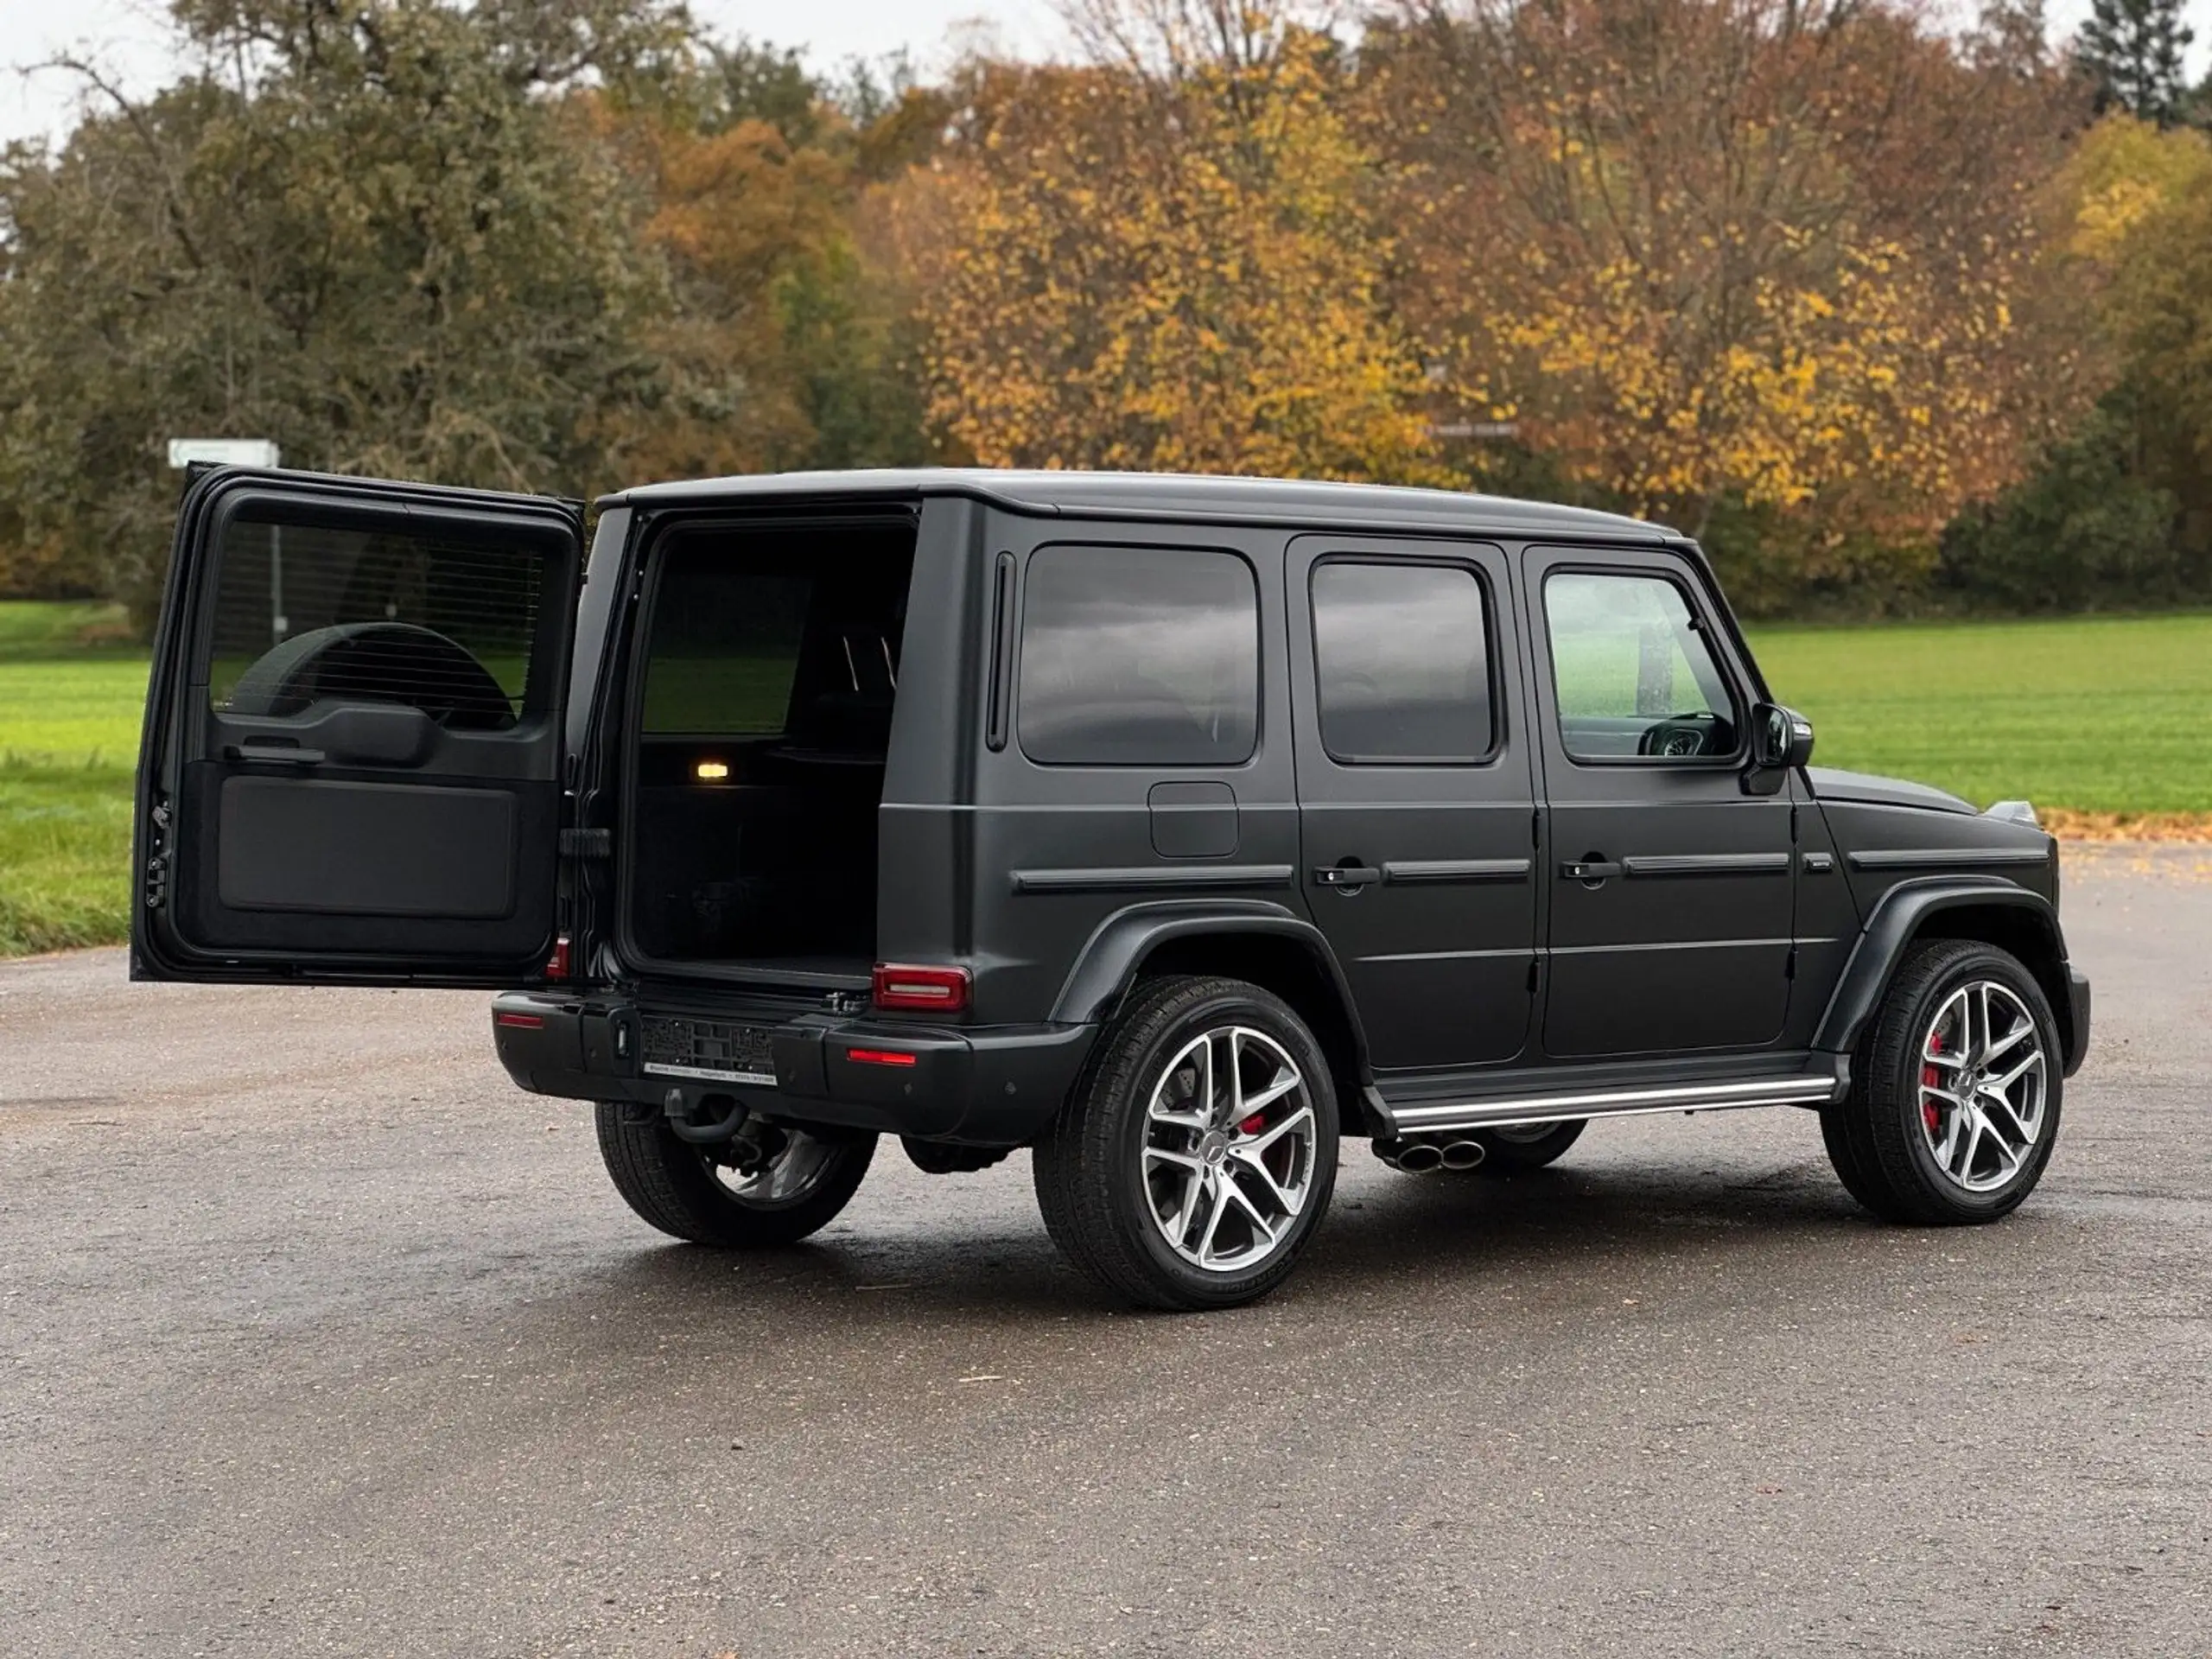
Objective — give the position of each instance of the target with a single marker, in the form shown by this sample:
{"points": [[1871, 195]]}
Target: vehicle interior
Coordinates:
{"points": [[762, 720]]}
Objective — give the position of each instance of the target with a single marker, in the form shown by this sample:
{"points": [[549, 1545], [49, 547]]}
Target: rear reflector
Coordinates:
{"points": [[878, 1056], [902, 985], [520, 1021]]}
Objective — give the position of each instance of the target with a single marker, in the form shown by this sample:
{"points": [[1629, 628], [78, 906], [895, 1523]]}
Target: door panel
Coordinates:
{"points": [[352, 762], [1415, 789], [364, 848], [1671, 890]]}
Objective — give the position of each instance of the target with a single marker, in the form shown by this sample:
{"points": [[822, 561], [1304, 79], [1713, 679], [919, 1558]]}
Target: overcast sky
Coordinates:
{"points": [[130, 38]]}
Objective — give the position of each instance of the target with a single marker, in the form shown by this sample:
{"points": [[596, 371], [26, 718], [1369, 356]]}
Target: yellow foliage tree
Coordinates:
{"points": [[1772, 250], [734, 215], [1176, 271]]}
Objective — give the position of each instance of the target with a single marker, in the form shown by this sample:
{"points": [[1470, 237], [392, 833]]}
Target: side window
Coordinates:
{"points": [[1139, 657], [305, 613], [1401, 662], [1634, 676], [725, 646]]}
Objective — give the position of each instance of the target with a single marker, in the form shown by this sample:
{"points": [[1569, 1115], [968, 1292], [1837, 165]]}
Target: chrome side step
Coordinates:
{"points": [[1796, 1089]]}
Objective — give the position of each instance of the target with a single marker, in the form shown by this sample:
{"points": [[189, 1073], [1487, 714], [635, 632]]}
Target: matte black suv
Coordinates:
{"points": [[1173, 828]]}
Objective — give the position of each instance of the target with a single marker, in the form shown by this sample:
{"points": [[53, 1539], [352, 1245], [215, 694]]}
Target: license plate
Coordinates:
{"points": [[710, 1049]]}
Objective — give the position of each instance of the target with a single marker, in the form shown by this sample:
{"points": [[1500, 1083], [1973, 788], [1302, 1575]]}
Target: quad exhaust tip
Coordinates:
{"points": [[1424, 1157]]}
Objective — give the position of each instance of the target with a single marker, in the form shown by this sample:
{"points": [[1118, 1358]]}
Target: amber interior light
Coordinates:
{"points": [[711, 771]]}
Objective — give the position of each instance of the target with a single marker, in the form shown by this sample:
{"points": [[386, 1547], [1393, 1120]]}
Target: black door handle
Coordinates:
{"points": [[282, 754], [1345, 878], [1589, 869]]}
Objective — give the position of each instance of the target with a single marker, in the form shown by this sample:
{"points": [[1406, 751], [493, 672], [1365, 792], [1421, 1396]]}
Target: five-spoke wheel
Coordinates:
{"points": [[1228, 1148], [1196, 1156], [1984, 1075], [1955, 1090]]}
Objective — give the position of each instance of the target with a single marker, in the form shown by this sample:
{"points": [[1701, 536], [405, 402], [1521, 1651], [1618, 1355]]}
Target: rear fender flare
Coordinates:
{"points": [[1901, 917], [1111, 957]]}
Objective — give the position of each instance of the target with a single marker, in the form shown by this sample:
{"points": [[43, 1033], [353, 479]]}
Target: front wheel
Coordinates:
{"points": [[1195, 1157], [773, 1190], [1955, 1091]]}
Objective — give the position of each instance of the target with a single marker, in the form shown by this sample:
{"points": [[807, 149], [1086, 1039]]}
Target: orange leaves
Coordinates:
{"points": [[1764, 251], [1180, 273]]}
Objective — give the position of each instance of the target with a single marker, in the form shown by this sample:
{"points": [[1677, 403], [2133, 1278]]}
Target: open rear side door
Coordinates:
{"points": [[351, 768]]}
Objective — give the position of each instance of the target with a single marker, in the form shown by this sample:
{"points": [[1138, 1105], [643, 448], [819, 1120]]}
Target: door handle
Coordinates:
{"points": [[285, 754], [1591, 870], [1346, 878]]}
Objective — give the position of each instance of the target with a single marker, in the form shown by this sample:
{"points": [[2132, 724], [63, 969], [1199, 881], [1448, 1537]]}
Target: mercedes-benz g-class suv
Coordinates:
{"points": [[1174, 828]]}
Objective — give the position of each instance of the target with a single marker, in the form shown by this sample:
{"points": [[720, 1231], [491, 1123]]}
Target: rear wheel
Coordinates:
{"points": [[1955, 1090], [775, 1190], [1526, 1146], [1195, 1158]]}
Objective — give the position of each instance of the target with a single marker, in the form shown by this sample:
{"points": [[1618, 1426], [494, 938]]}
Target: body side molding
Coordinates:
{"points": [[1706, 864], [1145, 878], [1425, 871], [1945, 858]]}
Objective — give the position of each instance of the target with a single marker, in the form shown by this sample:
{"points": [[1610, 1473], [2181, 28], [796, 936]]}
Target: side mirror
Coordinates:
{"points": [[1781, 740]]}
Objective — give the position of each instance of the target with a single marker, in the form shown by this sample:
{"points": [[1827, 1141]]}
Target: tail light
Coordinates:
{"points": [[560, 963], [900, 985]]}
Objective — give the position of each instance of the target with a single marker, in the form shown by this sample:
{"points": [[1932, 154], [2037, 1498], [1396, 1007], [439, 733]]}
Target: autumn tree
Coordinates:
{"points": [[1714, 251], [1166, 257]]}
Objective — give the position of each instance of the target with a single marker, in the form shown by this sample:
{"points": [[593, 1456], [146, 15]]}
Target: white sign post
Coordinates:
{"points": [[245, 452], [224, 451]]}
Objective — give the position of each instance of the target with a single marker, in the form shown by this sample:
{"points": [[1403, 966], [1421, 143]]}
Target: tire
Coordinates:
{"points": [[1143, 1149], [1955, 1093], [674, 1185], [1517, 1150]]}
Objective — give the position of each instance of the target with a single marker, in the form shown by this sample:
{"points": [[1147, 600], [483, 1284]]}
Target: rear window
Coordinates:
{"points": [[1139, 657], [304, 613]]}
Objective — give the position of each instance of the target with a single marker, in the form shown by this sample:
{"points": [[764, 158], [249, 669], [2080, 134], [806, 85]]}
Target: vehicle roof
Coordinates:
{"points": [[1150, 495]]}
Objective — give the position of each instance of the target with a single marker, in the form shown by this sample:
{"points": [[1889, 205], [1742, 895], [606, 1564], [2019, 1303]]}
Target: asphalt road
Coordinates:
{"points": [[319, 1338]]}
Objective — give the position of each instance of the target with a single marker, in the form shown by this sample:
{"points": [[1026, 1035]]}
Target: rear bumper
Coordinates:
{"points": [[990, 1085]]}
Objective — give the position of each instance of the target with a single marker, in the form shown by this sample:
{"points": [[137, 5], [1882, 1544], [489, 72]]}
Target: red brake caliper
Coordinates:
{"points": [[1931, 1077], [1253, 1124]]}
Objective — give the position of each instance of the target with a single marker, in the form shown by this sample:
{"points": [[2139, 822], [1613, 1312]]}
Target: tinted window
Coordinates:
{"points": [[1634, 674], [1139, 657], [725, 646], [304, 613], [1401, 659]]}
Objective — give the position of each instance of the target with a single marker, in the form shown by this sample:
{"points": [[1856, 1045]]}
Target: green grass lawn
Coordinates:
{"points": [[2108, 714], [70, 696], [2105, 714]]}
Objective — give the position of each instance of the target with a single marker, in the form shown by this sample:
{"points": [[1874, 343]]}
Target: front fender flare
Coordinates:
{"points": [[1898, 919]]}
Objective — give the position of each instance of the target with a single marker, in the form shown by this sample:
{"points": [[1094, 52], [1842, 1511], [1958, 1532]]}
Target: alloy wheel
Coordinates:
{"points": [[1984, 1086], [784, 1175], [1229, 1141]]}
